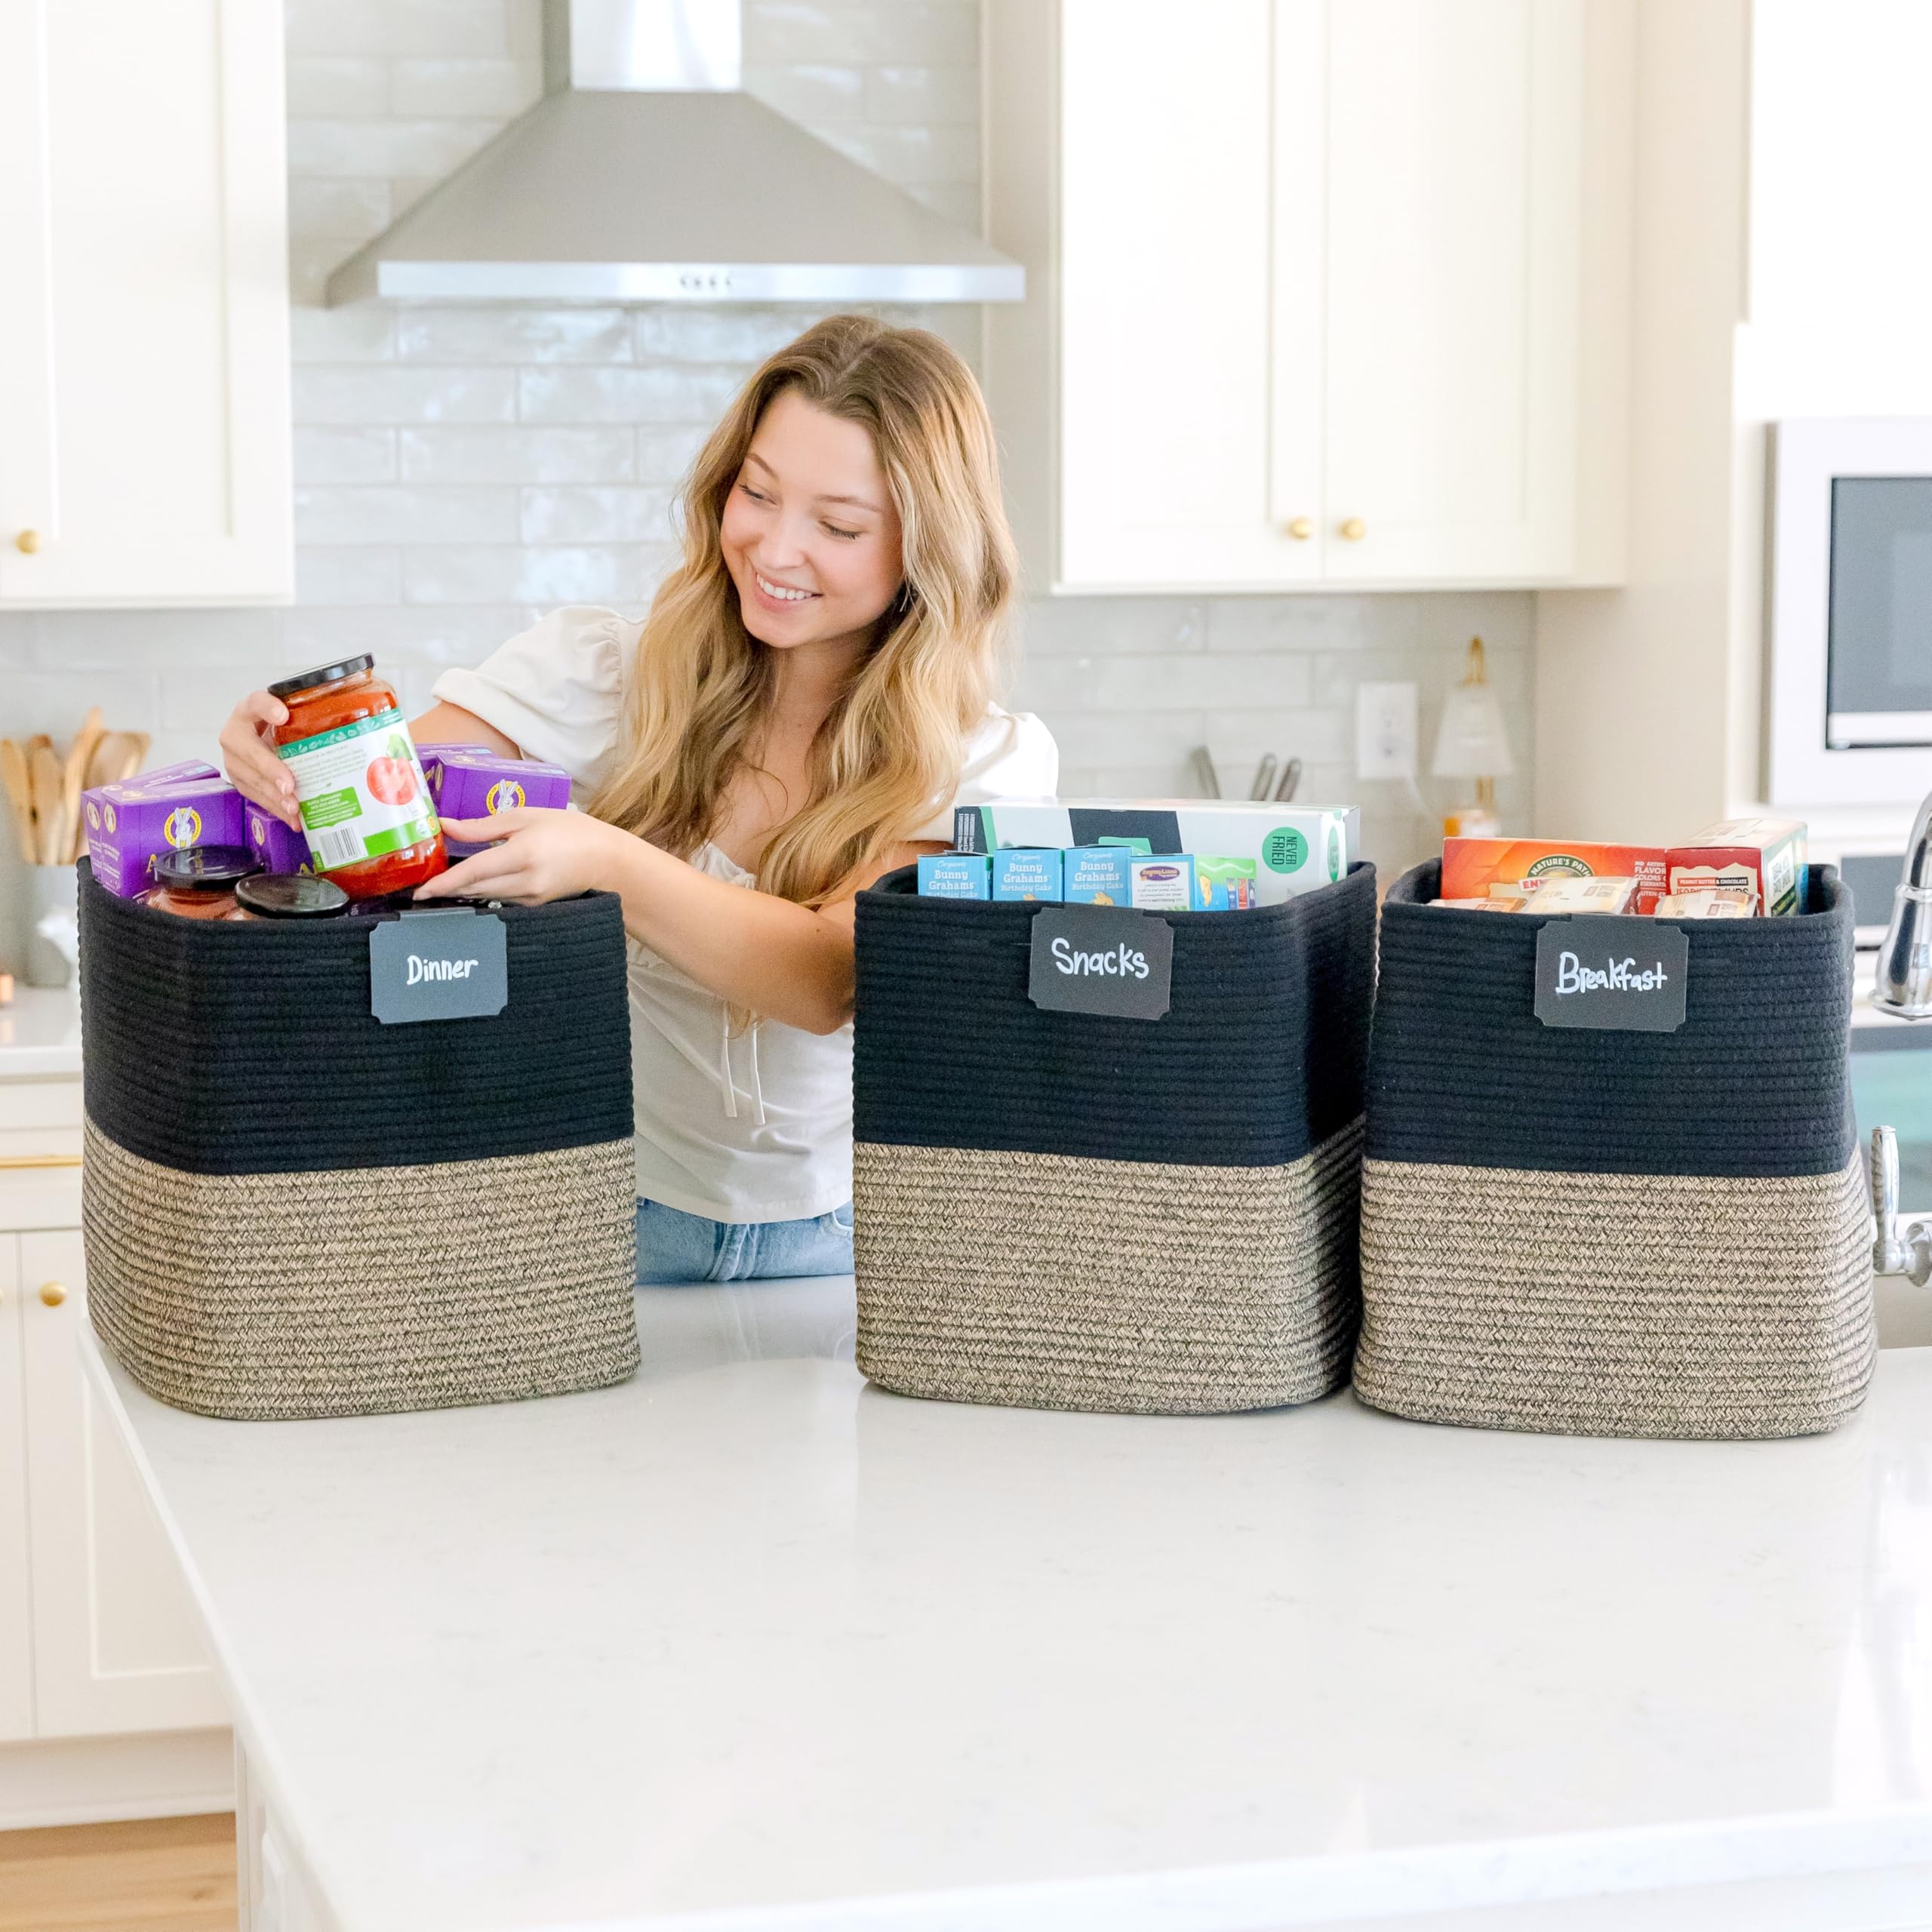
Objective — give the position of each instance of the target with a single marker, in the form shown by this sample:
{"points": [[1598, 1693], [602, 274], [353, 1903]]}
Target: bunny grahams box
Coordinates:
{"points": [[130, 824]]}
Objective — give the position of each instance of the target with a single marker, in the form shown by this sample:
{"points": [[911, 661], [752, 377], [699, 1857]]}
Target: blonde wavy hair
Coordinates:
{"points": [[888, 754]]}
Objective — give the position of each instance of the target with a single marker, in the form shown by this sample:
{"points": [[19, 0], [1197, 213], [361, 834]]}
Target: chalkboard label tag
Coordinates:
{"points": [[1609, 972], [1102, 959], [446, 964]]}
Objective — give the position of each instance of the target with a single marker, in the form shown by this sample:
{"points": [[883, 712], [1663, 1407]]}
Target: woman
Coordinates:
{"points": [[809, 694]]}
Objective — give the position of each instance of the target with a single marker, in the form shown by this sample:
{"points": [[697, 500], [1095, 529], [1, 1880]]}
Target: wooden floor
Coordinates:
{"points": [[162, 1874]]}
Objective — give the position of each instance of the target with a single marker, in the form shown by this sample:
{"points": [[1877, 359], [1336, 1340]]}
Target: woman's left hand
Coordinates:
{"points": [[544, 854]]}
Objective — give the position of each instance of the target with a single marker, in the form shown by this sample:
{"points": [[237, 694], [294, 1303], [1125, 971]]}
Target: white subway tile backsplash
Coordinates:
{"points": [[911, 155], [142, 642], [1078, 626], [932, 95], [354, 148], [353, 574], [393, 395], [622, 575], [347, 455], [439, 27], [664, 455], [437, 634], [329, 210], [485, 332], [462, 453], [351, 514], [809, 94], [669, 332], [498, 88], [358, 332], [337, 87], [659, 394], [788, 33], [554, 515]]}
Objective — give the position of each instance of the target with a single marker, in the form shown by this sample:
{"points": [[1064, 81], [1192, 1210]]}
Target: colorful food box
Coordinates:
{"points": [[470, 782], [1098, 875], [277, 847], [1708, 905], [1227, 885], [1765, 856], [1295, 848], [1161, 882], [1556, 895], [1471, 866], [1022, 875], [130, 824], [954, 876]]}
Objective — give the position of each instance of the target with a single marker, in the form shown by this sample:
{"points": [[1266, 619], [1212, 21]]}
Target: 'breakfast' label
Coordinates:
{"points": [[1608, 971], [1101, 959]]}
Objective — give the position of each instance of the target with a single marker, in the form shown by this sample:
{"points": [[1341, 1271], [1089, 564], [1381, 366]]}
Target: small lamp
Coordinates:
{"points": [[1472, 743]]}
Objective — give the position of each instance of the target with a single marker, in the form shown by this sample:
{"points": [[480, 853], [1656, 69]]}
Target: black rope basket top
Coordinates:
{"points": [[248, 1046], [1261, 1057], [1756, 1081]]}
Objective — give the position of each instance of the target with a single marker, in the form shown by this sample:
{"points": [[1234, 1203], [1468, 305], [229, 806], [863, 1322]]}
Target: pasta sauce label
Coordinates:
{"points": [[362, 791]]}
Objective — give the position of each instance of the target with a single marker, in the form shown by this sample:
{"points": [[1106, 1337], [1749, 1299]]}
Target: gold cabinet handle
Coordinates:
{"points": [[15, 1164], [1354, 529], [52, 1293], [27, 543], [1301, 528]]}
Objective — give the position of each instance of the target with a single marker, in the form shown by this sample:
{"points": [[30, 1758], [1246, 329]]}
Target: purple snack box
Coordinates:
{"points": [[280, 848], [130, 824], [471, 783], [432, 759]]}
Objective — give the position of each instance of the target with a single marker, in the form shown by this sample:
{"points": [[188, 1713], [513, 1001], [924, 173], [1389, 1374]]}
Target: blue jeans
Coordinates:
{"points": [[673, 1246]]}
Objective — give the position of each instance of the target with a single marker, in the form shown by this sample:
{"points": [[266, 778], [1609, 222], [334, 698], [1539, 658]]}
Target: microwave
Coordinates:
{"points": [[1849, 687]]}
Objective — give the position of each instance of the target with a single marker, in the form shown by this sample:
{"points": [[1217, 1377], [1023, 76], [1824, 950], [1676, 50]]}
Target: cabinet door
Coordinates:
{"points": [[1189, 199], [16, 1601], [144, 432], [1454, 198], [117, 1641]]}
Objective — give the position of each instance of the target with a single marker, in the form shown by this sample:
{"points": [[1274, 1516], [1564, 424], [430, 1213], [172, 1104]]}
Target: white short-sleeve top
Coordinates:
{"points": [[745, 1125]]}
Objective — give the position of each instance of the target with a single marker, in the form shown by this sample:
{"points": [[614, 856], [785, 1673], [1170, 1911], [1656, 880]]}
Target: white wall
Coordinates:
{"points": [[459, 470]]}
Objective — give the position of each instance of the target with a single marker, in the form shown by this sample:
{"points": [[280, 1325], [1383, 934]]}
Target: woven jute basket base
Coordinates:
{"points": [[1615, 1304], [1044, 1280], [365, 1291]]}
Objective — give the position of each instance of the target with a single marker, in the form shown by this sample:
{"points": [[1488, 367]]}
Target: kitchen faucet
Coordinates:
{"points": [[1902, 985]]}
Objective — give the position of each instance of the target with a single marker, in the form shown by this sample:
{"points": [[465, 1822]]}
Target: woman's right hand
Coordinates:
{"points": [[253, 769]]}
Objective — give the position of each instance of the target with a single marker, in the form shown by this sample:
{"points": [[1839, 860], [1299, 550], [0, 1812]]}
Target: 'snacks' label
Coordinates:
{"points": [[362, 791]]}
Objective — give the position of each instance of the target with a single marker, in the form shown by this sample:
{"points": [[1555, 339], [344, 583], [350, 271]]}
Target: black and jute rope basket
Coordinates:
{"points": [[1064, 1210], [1615, 1233], [292, 1209]]}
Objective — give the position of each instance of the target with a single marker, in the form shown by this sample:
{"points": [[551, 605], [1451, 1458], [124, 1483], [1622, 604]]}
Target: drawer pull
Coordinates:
{"points": [[53, 1293], [16, 1164]]}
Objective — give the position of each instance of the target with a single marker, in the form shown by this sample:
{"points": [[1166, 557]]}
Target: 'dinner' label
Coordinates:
{"points": [[1102, 959], [362, 791], [448, 964], [1608, 971]]}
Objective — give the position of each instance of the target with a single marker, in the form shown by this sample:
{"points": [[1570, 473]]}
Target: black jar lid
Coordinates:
{"points": [[323, 674], [292, 896], [205, 868]]}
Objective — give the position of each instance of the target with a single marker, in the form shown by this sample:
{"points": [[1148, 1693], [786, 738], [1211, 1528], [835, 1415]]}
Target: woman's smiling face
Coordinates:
{"points": [[810, 534]]}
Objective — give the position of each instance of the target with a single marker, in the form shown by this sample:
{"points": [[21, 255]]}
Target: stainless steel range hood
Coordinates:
{"points": [[646, 175]]}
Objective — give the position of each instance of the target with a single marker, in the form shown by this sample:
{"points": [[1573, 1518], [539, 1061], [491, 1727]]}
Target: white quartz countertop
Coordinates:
{"points": [[747, 1643], [40, 1035]]}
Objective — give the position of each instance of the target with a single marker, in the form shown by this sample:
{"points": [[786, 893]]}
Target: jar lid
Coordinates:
{"points": [[205, 868], [323, 674], [292, 896]]}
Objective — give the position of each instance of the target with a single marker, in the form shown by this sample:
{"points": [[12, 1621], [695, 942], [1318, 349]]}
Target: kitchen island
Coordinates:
{"points": [[747, 1643]]}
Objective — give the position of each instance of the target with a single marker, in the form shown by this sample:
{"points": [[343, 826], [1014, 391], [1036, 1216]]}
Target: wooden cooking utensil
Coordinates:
{"points": [[74, 772], [43, 780], [20, 795]]}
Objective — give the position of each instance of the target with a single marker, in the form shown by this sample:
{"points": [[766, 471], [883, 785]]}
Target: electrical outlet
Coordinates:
{"points": [[1385, 731]]}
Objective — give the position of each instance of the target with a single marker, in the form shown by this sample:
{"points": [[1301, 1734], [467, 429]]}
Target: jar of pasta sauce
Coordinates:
{"points": [[198, 881], [365, 808]]}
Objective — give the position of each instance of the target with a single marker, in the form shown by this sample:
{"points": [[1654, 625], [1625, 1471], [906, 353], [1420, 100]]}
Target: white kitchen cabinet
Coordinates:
{"points": [[144, 362], [98, 1633], [1322, 293]]}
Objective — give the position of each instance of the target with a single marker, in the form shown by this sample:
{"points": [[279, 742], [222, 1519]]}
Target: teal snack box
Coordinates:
{"points": [[954, 876], [1097, 875], [1026, 874], [1297, 848]]}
